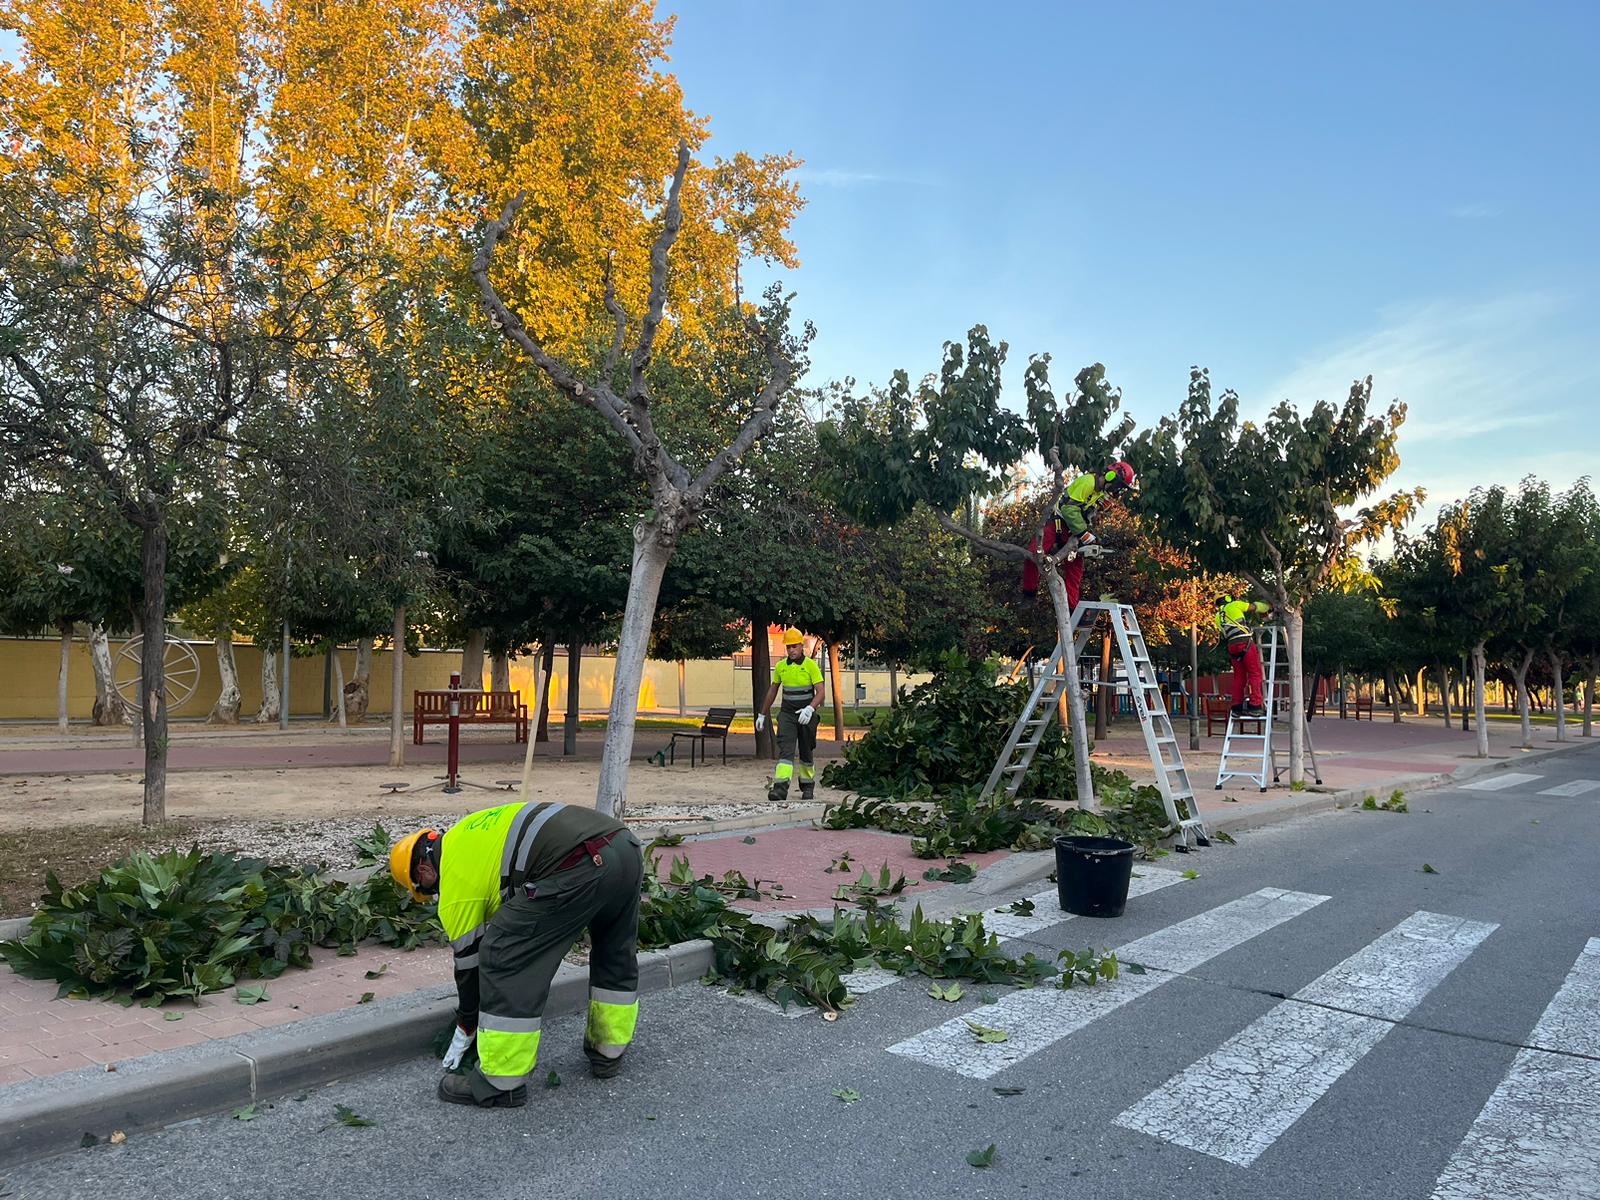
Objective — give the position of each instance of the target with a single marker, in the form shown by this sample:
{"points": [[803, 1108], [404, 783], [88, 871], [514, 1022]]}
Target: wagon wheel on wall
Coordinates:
{"points": [[182, 669]]}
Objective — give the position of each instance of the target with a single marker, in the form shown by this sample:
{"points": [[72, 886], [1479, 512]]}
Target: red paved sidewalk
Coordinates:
{"points": [[41, 1035]]}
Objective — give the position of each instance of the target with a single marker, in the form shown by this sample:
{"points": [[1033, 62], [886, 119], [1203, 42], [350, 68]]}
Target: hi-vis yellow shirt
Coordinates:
{"points": [[799, 681]]}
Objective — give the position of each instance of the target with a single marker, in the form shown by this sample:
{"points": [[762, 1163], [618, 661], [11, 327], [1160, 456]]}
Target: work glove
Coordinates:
{"points": [[458, 1048], [1086, 540], [761, 722], [805, 714]]}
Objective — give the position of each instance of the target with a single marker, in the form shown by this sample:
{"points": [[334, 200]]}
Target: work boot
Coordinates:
{"points": [[600, 1066], [807, 793], [1255, 710], [473, 1088], [1237, 710], [777, 793]]}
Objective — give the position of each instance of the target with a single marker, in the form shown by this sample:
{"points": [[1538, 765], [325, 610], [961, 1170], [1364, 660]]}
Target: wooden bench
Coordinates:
{"points": [[477, 708], [715, 726], [1217, 709]]}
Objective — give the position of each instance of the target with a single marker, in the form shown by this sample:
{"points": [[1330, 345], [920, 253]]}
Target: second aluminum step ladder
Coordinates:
{"points": [[1256, 754], [1172, 778]]}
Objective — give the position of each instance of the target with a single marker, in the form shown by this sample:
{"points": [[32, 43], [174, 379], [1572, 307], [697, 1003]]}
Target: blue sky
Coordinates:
{"points": [[1293, 195]]}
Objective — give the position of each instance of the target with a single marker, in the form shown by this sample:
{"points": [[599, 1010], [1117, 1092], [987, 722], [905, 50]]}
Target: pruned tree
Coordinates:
{"points": [[949, 444], [679, 495], [1268, 501]]}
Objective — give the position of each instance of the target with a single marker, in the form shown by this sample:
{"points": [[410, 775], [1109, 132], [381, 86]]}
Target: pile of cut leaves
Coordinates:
{"points": [[183, 924], [919, 771]]}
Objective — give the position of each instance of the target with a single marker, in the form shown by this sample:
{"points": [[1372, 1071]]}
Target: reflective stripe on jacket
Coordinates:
{"points": [[799, 682], [1230, 619]]}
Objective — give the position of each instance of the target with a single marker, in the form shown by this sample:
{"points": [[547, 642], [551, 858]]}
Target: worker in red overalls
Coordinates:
{"points": [[1244, 652]]}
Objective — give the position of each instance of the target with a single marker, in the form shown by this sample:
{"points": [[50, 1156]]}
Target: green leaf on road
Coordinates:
{"points": [[1021, 908], [366, 997], [552, 1080], [348, 1116], [251, 993], [981, 1158], [1428, 869], [171, 1016], [988, 998], [951, 992], [1191, 873], [379, 973], [247, 1113], [954, 871], [1133, 968], [985, 1034], [1224, 837], [748, 841], [848, 1095]]}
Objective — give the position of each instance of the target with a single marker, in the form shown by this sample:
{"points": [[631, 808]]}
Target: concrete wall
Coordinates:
{"points": [[28, 669]]}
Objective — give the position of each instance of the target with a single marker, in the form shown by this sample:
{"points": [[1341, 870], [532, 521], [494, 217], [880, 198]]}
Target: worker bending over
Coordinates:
{"points": [[801, 680], [1244, 652], [517, 885]]}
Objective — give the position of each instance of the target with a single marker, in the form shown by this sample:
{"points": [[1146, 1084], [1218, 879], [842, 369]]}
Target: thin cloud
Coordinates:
{"points": [[840, 177], [1472, 212]]}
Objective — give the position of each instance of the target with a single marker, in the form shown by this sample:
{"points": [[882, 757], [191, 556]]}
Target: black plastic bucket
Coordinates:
{"points": [[1092, 875]]}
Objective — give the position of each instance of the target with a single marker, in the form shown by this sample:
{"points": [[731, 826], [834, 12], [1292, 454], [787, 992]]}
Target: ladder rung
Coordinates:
{"points": [[1029, 745], [1013, 768]]}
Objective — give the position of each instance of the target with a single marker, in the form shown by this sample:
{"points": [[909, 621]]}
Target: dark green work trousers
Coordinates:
{"points": [[791, 736]]}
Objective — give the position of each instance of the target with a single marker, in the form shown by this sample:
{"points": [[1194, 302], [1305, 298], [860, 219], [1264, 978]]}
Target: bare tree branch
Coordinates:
{"points": [[991, 547], [614, 307], [638, 390], [599, 398]]}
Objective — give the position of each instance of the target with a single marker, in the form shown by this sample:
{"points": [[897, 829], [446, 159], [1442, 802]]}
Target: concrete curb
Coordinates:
{"points": [[275, 1062]]}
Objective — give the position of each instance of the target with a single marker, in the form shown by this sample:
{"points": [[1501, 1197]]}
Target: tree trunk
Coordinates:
{"points": [[1588, 697], [500, 671], [760, 680], [358, 692], [472, 659], [1394, 693], [894, 686], [1520, 674], [226, 710], [683, 688], [1294, 621], [1444, 692], [338, 679], [547, 655], [1194, 686], [1344, 699], [569, 727], [269, 685], [1102, 696], [1478, 702], [1422, 691], [650, 557], [109, 708], [1466, 691], [61, 678], [397, 691], [833, 686], [1077, 719], [152, 664], [1558, 694]]}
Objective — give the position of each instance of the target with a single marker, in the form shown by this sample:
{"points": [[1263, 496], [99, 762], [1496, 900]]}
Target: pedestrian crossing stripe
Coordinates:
{"points": [[1036, 1018], [1499, 782], [1234, 1103], [1538, 1136], [1575, 787]]}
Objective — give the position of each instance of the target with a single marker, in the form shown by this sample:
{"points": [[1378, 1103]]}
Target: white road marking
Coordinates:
{"points": [[1036, 1018], [1575, 787], [1538, 1137], [1499, 782], [1238, 1100], [1047, 909], [869, 979]]}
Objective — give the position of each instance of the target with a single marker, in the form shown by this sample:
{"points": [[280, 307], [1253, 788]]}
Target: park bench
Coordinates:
{"points": [[432, 707], [1217, 709], [715, 726]]}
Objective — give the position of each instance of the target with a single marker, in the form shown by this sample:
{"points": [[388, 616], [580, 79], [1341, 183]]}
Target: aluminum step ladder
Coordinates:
{"points": [[1257, 752], [1172, 778]]}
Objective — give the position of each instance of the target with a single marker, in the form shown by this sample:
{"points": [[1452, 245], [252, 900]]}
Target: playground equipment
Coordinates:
{"points": [[181, 663]]}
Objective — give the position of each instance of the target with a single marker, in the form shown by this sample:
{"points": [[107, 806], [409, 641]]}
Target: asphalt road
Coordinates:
{"points": [[1417, 993]]}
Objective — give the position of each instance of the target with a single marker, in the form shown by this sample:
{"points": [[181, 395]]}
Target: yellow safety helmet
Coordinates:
{"points": [[401, 855], [793, 637]]}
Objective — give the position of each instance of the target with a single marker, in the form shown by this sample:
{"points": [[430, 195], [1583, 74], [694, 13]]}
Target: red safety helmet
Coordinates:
{"points": [[1120, 477]]}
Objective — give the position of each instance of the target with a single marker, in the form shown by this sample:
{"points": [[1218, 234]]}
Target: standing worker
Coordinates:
{"points": [[1075, 516], [801, 680], [517, 885], [1244, 652]]}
